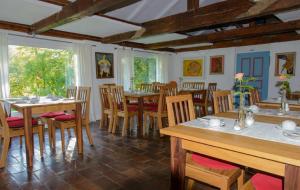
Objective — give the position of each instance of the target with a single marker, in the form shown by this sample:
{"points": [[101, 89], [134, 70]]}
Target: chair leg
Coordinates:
{"points": [[190, 184], [125, 125], [4, 154], [88, 132], [21, 141], [41, 140], [62, 134], [131, 123], [145, 124], [102, 120], [115, 123], [241, 180], [111, 123], [50, 135]]}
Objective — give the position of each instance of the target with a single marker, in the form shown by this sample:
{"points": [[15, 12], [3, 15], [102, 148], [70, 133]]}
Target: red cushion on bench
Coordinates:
{"points": [[65, 117], [212, 163], [266, 182], [18, 122], [52, 114]]}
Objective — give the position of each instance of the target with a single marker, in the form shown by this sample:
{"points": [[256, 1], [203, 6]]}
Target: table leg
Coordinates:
{"points": [[79, 128], [178, 159], [140, 115], [27, 114], [292, 177]]}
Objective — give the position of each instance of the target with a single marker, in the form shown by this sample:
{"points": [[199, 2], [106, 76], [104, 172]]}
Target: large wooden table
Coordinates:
{"points": [[272, 157], [293, 105], [140, 98], [28, 110]]}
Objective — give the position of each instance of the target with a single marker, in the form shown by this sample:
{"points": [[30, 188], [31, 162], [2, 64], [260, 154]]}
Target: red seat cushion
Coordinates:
{"points": [[151, 104], [151, 108], [52, 114], [211, 163], [65, 117], [18, 122], [266, 182], [130, 107], [198, 100]]}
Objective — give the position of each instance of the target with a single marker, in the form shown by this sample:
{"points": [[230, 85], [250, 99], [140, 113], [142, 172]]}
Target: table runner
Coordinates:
{"points": [[259, 130]]}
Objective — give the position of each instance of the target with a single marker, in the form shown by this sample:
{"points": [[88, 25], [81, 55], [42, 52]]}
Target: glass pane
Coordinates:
{"points": [[39, 71], [144, 70]]}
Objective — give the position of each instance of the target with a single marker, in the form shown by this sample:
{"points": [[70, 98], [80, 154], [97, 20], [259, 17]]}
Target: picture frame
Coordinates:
{"points": [[216, 65], [285, 63], [193, 67], [104, 65]]}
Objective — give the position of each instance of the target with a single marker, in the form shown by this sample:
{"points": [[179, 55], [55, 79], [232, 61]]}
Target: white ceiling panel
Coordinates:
{"points": [[193, 45], [289, 16], [98, 26], [25, 11], [160, 38]]}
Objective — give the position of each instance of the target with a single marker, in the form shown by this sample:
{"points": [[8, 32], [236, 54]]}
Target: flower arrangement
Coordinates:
{"points": [[283, 83]]}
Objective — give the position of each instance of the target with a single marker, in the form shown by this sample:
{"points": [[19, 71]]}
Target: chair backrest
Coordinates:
{"points": [[84, 94], [109, 84], [3, 123], [200, 95], [146, 87], [180, 109], [210, 88], [254, 97], [164, 92], [199, 85], [118, 98], [188, 85], [172, 84], [71, 92], [104, 91], [223, 101]]}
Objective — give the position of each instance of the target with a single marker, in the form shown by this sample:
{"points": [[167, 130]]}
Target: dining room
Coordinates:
{"points": [[140, 94]]}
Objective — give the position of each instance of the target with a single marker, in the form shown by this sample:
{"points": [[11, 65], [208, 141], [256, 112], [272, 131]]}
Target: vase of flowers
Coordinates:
{"points": [[242, 88], [284, 88]]}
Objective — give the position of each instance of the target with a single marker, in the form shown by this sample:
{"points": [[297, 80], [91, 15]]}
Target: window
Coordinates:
{"points": [[144, 70], [39, 71]]}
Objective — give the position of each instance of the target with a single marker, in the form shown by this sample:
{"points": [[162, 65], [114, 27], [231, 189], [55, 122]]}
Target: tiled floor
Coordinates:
{"points": [[113, 163]]}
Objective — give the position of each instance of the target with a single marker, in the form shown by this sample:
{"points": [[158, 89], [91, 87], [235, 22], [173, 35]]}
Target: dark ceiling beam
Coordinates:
{"points": [[256, 30], [246, 42], [57, 2], [222, 13], [193, 4], [77, 10]]}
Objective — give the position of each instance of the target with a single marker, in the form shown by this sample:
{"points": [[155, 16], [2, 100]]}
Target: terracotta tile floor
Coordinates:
{"points": [[113, 163]]}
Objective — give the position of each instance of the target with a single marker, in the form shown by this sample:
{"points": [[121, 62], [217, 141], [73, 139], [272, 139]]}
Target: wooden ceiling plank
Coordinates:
{"points": [[193, 4], [246, 42], [77, 10], [234, 12], [274, 28]]}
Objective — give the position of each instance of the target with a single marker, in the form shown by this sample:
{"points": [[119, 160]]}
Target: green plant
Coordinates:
{"points": [[284, 83]]}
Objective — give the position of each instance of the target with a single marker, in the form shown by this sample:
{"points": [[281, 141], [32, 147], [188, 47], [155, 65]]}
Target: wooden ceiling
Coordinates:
{"points": [[233, 22]]}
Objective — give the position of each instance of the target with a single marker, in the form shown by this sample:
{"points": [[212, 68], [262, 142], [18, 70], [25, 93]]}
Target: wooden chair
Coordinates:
{"points": [[106, 107], [14, 127], [210, 89], [223, 101], [188, 85], [199, 85], [158, 112], [199, 167], [146, 87], [200, 100], [71, 92], [122, 109], [263, 182], [254, 97], [67, 121], [109, 84]]}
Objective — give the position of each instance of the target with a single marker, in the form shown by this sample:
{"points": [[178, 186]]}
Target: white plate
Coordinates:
{"points": [[292, 134]]}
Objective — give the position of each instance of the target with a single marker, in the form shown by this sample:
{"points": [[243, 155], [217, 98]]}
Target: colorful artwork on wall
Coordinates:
{"points": [[285, 63], [216, 65], [104, 65], [193, 67]]}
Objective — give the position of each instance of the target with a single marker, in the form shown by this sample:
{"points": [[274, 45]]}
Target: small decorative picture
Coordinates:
{"points": [[216, 65], [104, 65], [193, 67], [285, 63]]}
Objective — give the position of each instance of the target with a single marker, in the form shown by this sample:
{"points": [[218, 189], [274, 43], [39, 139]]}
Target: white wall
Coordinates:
{"points": [[226, 81]]}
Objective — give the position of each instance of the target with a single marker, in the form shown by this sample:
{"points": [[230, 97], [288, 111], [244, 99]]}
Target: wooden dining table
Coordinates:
{"points": [[140, 97], [275, 104], [29, 109], [272, 157]]}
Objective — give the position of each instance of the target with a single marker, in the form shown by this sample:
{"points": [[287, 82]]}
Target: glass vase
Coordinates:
{"points": [[242, 113]]}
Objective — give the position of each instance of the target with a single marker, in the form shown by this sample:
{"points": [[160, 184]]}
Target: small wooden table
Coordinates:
{"points": [[140, 97], [28, 109], [272, 157]]}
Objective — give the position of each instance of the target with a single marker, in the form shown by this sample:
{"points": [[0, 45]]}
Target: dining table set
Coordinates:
{"points": [[271, 143], [32, 107]]}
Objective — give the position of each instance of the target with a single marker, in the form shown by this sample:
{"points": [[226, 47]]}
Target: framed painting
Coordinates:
{"points": [[285, 63], [193, 67], [104, 65], [216, 65]]}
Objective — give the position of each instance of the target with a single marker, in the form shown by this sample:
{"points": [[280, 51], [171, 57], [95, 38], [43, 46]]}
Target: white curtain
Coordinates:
{"points": [[125, 67], [162, 67], [4, 92], [84, 71]]}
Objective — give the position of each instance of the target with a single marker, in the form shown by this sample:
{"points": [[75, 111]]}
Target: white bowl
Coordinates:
{"points": [[214, 123], [289, 125]]}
